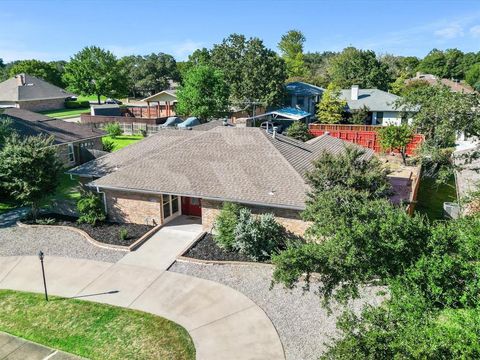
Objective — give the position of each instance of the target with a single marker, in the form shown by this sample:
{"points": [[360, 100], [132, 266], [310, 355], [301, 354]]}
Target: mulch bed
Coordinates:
{"points": [[105, 232], [207, 249]]}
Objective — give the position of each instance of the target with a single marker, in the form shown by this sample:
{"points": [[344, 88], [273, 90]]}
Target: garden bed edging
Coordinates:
{"points": [[97, 243]]}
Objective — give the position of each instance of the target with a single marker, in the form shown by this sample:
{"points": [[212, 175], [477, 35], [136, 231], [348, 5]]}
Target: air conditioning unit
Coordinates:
{"points": [[451, 210]]}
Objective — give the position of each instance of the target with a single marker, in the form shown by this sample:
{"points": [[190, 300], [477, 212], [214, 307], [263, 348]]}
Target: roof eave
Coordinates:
{"points": [[208, 197]]}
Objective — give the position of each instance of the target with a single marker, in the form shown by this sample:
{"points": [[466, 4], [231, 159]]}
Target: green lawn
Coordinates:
{"points": [[68, 189], [93, 330], [123, 140], [432, 196], [64, 113], [91, 98]]}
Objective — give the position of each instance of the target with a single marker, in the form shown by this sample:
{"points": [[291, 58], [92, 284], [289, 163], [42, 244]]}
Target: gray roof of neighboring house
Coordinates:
{"points": [[28, 123], [374, 99], [33, 88], [303, 89], [245, 165]]}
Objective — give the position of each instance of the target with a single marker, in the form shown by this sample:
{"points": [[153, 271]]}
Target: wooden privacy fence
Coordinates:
{"points": [[364, 135]]}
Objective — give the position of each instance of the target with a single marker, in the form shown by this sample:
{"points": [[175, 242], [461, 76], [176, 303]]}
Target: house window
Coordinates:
{"points": [[170, 205], [71, 153], [379, 117]]}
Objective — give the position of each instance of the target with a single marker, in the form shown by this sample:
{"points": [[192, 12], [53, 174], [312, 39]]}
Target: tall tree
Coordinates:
{"points": [[95, 71], [291, 48], [358, 67], [41, 69], [472, 76], [331, 108], [454, 64], [149, 74], [252, 72], [434, 63], [317, 65], [204, 93], [29, 169]]}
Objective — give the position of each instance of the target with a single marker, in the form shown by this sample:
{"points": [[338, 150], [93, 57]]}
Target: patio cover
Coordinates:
{"points": [[288, 112]]}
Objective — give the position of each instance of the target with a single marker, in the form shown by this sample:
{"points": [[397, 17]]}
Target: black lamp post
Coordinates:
{"points": [[41, 256]]}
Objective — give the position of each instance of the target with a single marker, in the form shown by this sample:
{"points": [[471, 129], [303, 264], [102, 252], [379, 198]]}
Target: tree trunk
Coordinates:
{"points": [[98, 97], [404, 156], [34, 211]]}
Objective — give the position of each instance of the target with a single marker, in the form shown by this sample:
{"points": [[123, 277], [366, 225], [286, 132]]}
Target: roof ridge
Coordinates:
{"points": [[264, 133]]}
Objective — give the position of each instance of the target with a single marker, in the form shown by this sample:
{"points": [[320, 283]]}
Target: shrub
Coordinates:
{"points": [[225, 226], [298, 130], [90, 208], [258, 237], [123, 234], [113, 129], [108, 145], [75, 104], [143, 133]]}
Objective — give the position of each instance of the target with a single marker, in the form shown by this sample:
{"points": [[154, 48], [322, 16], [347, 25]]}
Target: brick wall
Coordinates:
{"points": [[133, 208], [290, 219], [62, 150], [42, 105]]}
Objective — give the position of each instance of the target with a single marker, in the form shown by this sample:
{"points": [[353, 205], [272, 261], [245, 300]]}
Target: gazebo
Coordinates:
{"points": [[161, 104]]}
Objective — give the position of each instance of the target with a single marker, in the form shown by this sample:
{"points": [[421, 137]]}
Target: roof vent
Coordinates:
{"points": [[354, 92], [274, 133]]}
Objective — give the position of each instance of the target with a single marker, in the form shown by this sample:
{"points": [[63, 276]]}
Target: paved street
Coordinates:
{"points": [[14, 348]]}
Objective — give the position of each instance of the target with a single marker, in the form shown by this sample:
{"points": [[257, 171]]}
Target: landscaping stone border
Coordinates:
{"points": [[187, 259], [97, 243]]}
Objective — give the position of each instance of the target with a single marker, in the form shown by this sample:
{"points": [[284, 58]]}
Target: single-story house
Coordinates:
{"points": [[381, 105], [28, 92], [303, 96], [454, 85], [75, 143], [194, 172]]}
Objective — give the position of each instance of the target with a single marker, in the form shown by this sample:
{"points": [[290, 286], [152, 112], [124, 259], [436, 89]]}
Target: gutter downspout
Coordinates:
{"points": [[104, 199]]}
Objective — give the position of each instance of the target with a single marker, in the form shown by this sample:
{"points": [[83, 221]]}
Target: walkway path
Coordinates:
{"points": [[223, 323], [14, 348], [161, 250]]}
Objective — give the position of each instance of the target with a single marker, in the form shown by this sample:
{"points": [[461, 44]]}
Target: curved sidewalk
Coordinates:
{"points": [[223, 323]]}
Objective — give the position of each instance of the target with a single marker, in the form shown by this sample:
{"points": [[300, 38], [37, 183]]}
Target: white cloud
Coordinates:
{"points": [[451, 31], [181, 50], [475, 31]]}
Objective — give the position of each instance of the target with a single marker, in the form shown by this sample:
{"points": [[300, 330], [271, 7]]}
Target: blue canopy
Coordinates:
{"points": [[287, 112], [191, 121], [172, 121]]}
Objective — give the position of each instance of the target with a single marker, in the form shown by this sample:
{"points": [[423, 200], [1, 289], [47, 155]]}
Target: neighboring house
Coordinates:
{"points": [[303, 96], [454, 85], [28, 92], [381, 105], [194, 172], [75, 143]]}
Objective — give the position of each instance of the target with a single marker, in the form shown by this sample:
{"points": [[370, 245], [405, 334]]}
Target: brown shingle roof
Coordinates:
{"points": [[28, 123], [237, 164], [24, 87]]}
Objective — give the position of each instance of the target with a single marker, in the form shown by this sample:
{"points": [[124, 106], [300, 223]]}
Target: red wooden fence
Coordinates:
{"points": [[364, 135]]}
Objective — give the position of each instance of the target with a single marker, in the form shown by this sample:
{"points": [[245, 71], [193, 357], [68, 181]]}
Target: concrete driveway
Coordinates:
{"points": [[223, 323]]}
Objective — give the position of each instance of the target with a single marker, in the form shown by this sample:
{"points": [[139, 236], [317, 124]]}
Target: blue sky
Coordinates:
{"points": [[53, 30]]}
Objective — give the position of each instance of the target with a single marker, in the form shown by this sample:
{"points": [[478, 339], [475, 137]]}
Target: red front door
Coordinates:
{"points": [[191, 206]]}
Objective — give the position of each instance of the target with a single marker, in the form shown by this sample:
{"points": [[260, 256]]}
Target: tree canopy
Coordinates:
{"points": [[150, 73], [95, 71], [204, 93], [331, 108], [393, 137], [358, 67], [47, 71], [291, 48], [29, 169], [252, 71]]}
